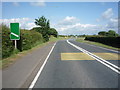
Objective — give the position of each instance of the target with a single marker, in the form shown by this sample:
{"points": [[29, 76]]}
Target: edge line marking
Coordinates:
{"points": [[102, 48], [106, 63], [41, 68]]}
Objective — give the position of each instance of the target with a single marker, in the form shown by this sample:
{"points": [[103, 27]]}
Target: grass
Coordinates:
{"points": [[96, 43], [4, 63]]}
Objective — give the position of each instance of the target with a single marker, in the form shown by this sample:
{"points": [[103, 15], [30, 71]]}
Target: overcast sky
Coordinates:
{"points": [[66, 17]]}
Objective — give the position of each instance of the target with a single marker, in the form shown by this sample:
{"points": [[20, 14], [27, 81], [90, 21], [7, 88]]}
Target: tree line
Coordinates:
{"points": [[110, 33]]}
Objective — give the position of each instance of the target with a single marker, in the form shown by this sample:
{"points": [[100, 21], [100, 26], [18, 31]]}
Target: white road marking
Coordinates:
{"points": [[40, 70], [106, 63], [102, 48], [14, 34]]}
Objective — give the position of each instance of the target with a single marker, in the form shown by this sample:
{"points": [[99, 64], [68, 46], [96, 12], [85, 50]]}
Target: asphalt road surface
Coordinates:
{"points": [[71, 67]]}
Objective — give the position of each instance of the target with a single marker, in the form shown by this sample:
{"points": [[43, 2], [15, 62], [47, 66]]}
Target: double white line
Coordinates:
{"points": [[106, 63]]}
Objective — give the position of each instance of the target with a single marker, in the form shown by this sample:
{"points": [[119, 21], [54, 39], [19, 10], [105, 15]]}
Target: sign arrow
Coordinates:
{"points": [[14, 34]]}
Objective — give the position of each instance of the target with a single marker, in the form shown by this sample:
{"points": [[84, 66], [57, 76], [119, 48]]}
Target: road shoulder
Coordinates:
{"points": [[19, 74]]}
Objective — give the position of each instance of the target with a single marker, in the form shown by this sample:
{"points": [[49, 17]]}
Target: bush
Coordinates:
{"points": [[7, 44], [112, 41], [27, 41]]}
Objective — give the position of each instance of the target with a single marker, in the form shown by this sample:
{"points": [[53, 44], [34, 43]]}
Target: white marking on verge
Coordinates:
{"points": [[14, 34], [97, 58], [40, 70]]}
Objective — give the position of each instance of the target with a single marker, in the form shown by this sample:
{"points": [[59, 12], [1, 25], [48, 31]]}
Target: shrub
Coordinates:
{"points": [[30, 38], [27, 41], [112, 41], [7, 44]]}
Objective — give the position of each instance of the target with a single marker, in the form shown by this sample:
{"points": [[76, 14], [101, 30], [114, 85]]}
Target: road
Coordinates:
{"points": [[21, 73], [70, 67]]}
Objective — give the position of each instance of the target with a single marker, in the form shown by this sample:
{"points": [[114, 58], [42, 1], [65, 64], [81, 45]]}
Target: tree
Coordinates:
{"points": [[53, 32], [112, 33], [42, 21], [44, 27], [103, 33]]}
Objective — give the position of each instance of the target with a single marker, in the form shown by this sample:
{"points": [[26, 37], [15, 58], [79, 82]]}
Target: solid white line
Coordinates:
{"points": [[102, 48], [95, 55], [98, 58], [40, 70], [14, 34]]}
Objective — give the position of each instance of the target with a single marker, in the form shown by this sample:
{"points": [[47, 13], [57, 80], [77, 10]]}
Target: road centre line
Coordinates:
{"points": [[41, 68], [106, 63]]}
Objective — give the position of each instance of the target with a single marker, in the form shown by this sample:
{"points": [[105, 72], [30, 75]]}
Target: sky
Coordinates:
{"points": [[67, 18]]}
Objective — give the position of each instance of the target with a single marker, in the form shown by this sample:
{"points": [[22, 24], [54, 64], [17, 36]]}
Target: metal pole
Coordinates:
{"points": [[15, 44]]}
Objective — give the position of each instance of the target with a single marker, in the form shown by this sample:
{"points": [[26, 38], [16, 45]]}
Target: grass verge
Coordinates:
{"points": [[4, 63], [95, 43]]}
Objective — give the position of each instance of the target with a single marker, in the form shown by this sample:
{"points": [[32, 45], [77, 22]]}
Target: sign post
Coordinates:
{"points": [[15, 32]]}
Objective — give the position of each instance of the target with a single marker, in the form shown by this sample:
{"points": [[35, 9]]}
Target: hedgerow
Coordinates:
{"points": [[28, 39], [112, 41], [7, 44]]}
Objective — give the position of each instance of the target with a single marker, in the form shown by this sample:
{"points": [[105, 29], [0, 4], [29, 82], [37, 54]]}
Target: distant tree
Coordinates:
{"points": [[110, 33], [102, 33]]}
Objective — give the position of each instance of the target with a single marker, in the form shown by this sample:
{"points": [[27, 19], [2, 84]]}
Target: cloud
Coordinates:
{"points": [[29, 26], [72, 25], [68, 20], [40, 3], [114, 20], [107, 14], [107, 17], [35, 3], [97, 20], [112, 24], [25, 23], [15, 3]]}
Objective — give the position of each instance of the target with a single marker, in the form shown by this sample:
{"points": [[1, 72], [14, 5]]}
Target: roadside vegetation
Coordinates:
{"points": [[108, 39], [6, 62], [29, 40]]}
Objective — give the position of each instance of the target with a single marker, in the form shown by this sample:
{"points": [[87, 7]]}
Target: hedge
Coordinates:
{"points": [[112, 41], [7, 44], [27, 41]]}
